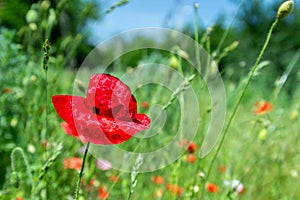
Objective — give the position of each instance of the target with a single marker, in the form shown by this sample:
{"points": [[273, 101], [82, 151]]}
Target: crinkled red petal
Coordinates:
{"points": [[102, 130], [107, 116], [111, 97], [64, 104]]}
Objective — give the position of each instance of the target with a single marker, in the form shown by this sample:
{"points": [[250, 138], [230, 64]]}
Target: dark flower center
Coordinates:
{"points": [[96, 111]]}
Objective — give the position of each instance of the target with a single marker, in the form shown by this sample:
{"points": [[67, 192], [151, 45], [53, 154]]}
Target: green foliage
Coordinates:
{"points": [[59, 22], [252, 20], [260, 150]]}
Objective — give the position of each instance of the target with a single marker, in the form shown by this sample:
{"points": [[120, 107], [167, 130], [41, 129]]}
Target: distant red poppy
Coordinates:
{"points": [[102, 193], [262, 107], [191, 158], [108, 114], [192, 147], [73, 163], [212, 188], [222, 168], [174, 189], [19, 198], [157, 179], [145, 104]]}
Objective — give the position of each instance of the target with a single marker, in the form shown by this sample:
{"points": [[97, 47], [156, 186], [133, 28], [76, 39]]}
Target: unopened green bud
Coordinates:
{"points": [[32, 26], [31, 16], [196, 5], [45, 5], [174, 62], [294, 114], [285, 9], [263, 134]]}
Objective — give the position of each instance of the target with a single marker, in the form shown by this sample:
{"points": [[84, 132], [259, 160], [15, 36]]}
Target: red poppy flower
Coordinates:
{"points": [[191, 158], [262, 107], [212, 188], [174, 189], [157, 179], [192, 147], [108, 114], [73, 163], [102, 193]]}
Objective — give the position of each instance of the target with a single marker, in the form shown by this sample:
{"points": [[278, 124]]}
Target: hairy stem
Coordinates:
{"points": [[236, 106], [81, 172]]}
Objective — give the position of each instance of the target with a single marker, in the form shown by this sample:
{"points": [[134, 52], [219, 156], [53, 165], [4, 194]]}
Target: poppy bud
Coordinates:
{"points": [[45, 4], [285, 9], [263, 134], [32, 26], [174, 63], [31, 16]]}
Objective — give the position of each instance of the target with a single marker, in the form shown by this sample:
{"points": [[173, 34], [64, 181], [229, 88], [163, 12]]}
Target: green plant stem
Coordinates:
{"points": [[81, 172], [196, 34], [236, 106], [46, 109], [46, 49]]}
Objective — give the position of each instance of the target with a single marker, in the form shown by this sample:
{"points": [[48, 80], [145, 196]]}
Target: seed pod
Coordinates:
{"points": [[285, 9]]}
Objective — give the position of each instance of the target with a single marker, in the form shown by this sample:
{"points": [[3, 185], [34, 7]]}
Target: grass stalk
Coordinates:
{"points": [[242, 94], [81, 172], [46, 49]]}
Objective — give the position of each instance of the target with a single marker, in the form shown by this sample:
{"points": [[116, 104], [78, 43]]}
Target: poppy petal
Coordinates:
{"points": [[112, 97], [64, 104], [142, 119]]}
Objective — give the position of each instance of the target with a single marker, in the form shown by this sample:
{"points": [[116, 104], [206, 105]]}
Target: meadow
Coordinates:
{"points": [[183, 154]]}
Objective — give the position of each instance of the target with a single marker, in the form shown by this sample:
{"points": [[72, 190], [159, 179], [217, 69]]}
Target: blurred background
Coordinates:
{"points": [[231, 31]]}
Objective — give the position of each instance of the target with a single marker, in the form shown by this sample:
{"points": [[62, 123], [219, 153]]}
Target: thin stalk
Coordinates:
{"points": [[81, 172], [46, 49], [46, 108], [236, 106], [196, 34]]}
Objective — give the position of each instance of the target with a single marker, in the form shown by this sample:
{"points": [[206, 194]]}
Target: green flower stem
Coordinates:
{"points": [[81, 172], [46, 49], [196, 34], [236, 106]]}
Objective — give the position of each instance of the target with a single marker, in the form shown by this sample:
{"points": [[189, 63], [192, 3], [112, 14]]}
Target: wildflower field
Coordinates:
{"points": [[151, 113]]}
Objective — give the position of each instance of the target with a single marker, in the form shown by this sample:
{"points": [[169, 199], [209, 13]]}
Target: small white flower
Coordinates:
{"points": [[196, 188], [31, 148], [235, 185]]}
